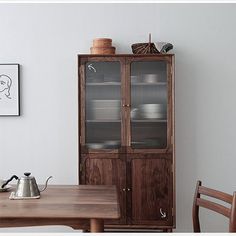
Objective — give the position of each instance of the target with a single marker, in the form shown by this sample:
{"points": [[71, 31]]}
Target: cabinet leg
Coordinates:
{"points": [[167, 230], [96, 225]]}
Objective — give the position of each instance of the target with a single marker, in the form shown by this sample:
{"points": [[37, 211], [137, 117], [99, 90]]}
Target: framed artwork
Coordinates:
{"points": [[9, 90]]}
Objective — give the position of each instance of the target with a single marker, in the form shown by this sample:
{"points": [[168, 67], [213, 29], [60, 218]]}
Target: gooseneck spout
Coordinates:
{"points": [[46, 184], [9, 180]]}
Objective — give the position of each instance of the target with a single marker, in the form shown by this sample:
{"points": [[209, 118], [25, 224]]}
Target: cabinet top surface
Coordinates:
{"points": [[126, 55]]}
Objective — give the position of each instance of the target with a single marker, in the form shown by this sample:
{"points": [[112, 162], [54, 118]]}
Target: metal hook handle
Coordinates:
{"points": [[163, 214]]}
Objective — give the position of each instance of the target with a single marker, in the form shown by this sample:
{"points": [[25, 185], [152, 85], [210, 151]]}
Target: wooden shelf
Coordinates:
{"points": [[118, 84], [149, 84], [103, 84], [103, 121], [136, 121], [150, 121]]}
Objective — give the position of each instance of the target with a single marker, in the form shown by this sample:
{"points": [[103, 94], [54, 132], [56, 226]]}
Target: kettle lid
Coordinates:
{"points": [[27, 176]]}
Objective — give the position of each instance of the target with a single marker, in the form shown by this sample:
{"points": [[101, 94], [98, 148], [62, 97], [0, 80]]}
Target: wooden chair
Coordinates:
{"points": [[200, 202]]}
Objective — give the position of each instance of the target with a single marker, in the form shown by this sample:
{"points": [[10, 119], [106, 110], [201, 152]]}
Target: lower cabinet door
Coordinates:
{"points": [[112, 171], [152, 192]]}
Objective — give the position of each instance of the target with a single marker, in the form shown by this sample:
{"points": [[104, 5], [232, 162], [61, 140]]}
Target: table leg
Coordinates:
{"points": [[96, 225]]}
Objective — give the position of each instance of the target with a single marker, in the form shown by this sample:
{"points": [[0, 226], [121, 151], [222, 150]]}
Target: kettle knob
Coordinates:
{"points": [[27, 174]]}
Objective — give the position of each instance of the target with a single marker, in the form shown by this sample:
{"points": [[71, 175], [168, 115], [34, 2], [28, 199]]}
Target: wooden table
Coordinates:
{"points": [[72, 205]]}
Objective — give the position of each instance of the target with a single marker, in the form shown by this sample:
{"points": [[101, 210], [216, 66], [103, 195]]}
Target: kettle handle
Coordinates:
{"points": [[9, 180], [46, 184]]}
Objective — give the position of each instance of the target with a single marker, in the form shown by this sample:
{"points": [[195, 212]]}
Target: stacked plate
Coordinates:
{"points": [[105, 109], [151, 78], [153, 111], [95, 145], [146, 78], [112, 144]]}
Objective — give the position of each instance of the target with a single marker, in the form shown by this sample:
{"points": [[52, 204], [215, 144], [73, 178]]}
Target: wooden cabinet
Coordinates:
{"points": [[126, 134]]}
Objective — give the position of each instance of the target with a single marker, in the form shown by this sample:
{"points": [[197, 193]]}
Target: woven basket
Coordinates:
{"points": [[144, 48]]}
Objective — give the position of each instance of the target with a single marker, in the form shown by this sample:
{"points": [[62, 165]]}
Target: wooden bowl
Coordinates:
{"points": [[103, 50], [102, 42]]}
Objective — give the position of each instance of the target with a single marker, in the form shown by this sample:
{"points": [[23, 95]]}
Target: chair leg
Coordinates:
{"points": [[195, 210], [232, 221]]}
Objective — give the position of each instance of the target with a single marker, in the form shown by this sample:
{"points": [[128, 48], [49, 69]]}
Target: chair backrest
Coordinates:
{"points": [[221, 209]]}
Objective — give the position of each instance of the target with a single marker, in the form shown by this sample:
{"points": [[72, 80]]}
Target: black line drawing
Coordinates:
{"points": [[5, 86]]}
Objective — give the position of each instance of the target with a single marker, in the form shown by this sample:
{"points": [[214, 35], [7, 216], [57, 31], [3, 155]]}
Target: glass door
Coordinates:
{"points": [[103, 105], [149, 99]]}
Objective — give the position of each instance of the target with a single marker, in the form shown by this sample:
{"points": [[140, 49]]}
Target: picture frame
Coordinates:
{"points": [[9, 90]]}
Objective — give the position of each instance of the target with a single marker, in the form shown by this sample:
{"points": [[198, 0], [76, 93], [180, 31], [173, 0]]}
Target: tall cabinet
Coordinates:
{"points": [[126, 134]]}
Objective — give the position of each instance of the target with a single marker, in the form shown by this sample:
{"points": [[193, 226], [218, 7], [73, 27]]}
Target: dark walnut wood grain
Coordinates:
{"points": [[66, 205], [145, 178], [108, 172], [151, 191]]}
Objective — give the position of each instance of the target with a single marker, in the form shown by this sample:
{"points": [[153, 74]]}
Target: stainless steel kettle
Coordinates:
{"points": [[26, 186]]}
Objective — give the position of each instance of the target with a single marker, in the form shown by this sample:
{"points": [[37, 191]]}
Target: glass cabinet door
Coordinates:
{"points": [[103, 103], [149, 104]]}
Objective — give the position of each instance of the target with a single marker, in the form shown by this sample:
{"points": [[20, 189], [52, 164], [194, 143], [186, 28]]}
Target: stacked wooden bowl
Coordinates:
{"points": [[102, 46]]}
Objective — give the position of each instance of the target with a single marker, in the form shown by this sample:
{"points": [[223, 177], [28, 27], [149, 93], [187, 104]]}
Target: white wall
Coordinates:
{"points": [[46, 38]]}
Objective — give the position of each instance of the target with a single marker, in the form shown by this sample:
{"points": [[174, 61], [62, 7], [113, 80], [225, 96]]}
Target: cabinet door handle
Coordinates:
{"points": [[125, 105], [128, 189], [123, 189]]}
